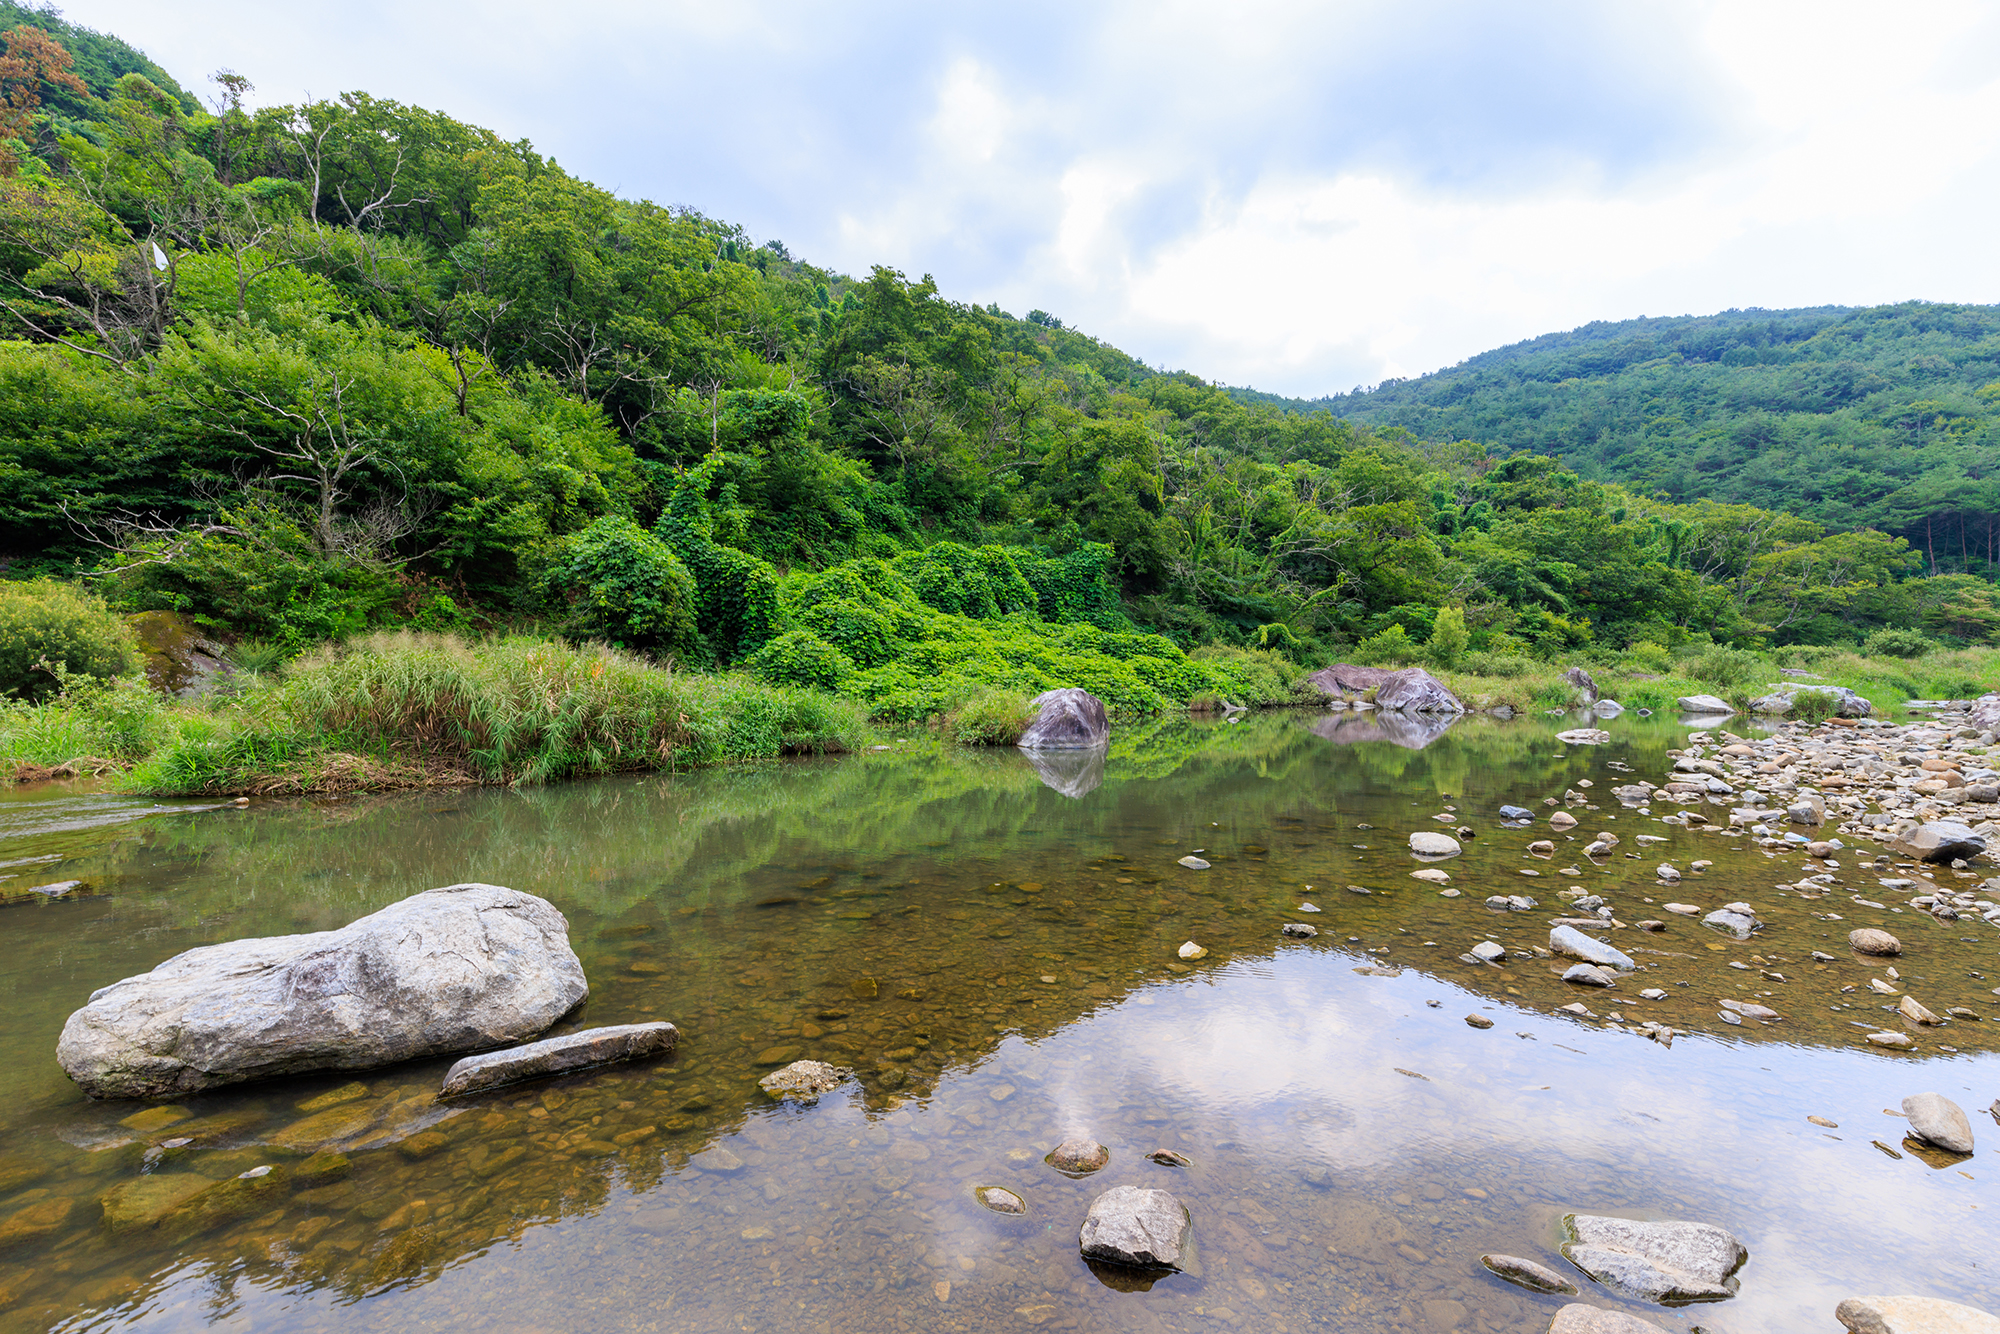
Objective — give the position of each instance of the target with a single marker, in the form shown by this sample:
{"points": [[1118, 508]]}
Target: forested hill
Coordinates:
{"points": [[1887, 417]]}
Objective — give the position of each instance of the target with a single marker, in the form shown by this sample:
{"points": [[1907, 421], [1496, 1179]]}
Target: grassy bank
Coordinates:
{"points": [[411, 710], [1655, 680]]}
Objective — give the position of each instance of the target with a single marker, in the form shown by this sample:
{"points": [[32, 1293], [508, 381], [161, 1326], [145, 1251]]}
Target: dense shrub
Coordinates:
{"points": [[1724, 668], [988, 717], [801, 658], [46, 625], [1391, 648], [617, 582], [1448, 637], [1890, 643], [1813, 706], [1648, 656]]}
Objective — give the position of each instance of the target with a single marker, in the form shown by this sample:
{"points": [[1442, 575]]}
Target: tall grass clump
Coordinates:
{"points": [[406, 708], [988, 717]]}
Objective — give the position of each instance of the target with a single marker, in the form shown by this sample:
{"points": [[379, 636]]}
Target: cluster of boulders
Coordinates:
{"points": [[1403, 690]]}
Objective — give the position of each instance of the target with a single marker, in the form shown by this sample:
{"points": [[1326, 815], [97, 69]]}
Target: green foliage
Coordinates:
{"points": [[801, 658], [1448, 637], [51, 632], [1391, 648], [617, 582], [1813, 706], [1650, 656], [1892, 643], [1724, 668], [989, 717]]}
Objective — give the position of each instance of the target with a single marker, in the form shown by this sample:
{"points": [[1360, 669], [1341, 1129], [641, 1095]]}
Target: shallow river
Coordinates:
{"points": [[997, 959]]}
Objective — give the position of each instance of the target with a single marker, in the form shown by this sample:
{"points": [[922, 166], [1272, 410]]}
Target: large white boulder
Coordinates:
{"points": [[462, 968], [1067, 719]]}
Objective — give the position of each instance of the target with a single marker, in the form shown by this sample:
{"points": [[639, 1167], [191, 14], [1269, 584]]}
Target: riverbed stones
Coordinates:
{"points": [[1193, 863], [1872, 940], [1066, 719], [1426, 843], [1527, 1274], [1489, 951], [1299, 930], [554, 1056], [1568, 940], [1705, 705], [1913, 1315], [1078, 1157], [1940, 842], [1936, 1119], [1739, 919], [1576, 1318], [803, 1082], [1135, 1227], [1916, 1012], [453, 969], [1665, 1262], [1516, 813], [1561, 821], [1431, 875], [1893, 1040]]}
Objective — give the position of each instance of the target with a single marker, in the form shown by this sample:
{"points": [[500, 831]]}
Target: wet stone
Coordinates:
{"points": [[1577, 1318], [1938, 1120], [803, 1081], [1000, 1200], [1078, 1157], [1665, 1262], [1135, 1227], [1527, 1274], [1869, 940], [1913, 1315]]}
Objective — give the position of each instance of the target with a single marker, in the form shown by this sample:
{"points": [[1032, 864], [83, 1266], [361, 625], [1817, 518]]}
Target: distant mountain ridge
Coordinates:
{"points": [[1883, 416]]}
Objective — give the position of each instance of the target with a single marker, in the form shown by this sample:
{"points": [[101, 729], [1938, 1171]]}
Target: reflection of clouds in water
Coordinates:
{"points": [[1296, 1058]]}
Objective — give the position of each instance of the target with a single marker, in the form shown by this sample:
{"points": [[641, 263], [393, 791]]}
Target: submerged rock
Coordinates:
{"points": [[1668, 1263], [1936, 1119], [1427, 844], [1000, 1200], [553, 1056], [803, 1081], [1913, 1315], [1527, 1274], [1137, 1227], [1868, 940], [1067, 719], [453, 969]]}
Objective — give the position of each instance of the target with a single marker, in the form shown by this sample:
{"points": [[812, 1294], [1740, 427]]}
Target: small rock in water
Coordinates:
{"points": [[1527, 1274], [1587, 974], [1000, 1200], [1078, 1157], [1576, 1318], [1308, 907], [1888, 1039], [1447, 893], [1822, 1121], [1168, 1158], [1129, 1225], [1568, 940], [1913, 1315], [1194, 863], [1516, 813], [550, 1056], [1431, 874], [1913, 1010], [1735, 918], [1667, 1262], [1489, 951], [1562, 820], [1730, 1018], [1750, 1010], [1667, 873], [1427, 844], [803, 1081], [1869, 940], [1190, 950], [1936, 1119], [1299, 929], [1653, 993], [1650, 925], [1478, 1021], [1684, 909], [1541, 847]]}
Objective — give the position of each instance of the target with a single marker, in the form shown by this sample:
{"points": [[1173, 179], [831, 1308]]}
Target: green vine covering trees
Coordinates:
{"points": [[300, 372]]}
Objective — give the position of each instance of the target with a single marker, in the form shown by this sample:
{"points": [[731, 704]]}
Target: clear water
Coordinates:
{"points": [[998, 961]]}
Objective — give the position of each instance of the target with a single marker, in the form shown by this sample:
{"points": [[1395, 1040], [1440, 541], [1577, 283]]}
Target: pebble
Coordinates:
{"points": [[1431, 874], [1542, 847], [1078, 1157], [1194, 863], [1190, 950], [1653, 993], [1668, 873], [1684, 909], [1427, 844], [1000, 1200], [1527, 1274], [1589, 975], [1936, 1119], [1299, 929], [1914, 1011], [1489, 951], [1897, 1040], [1478, 1021], [1562, 820]]}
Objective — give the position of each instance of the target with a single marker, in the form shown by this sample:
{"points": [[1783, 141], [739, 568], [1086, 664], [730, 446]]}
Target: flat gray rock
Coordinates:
{"points": [[803, 1081], [1738, 924], [553, 1056], [1428, 844], [1130, 1225], [1527, 1274], [462, 968], [1067, 719], [1940, 841], [1668, 1263], [1589, 975], [1938, 1120], [1912, 1315], [1568, 940], [1576, 1318], [1703, 704]]}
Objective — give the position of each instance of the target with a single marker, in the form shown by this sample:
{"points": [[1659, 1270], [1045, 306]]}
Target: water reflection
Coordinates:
{"points": [[1074, 773], [1412, 731], [997, 962]]}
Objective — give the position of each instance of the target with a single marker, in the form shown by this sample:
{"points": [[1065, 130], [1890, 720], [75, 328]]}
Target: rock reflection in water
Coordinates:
{"points": [[1074, 773], [1412, 731]]}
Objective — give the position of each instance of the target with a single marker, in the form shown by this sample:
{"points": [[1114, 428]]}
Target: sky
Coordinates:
{"points": [[1299, 197]]}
